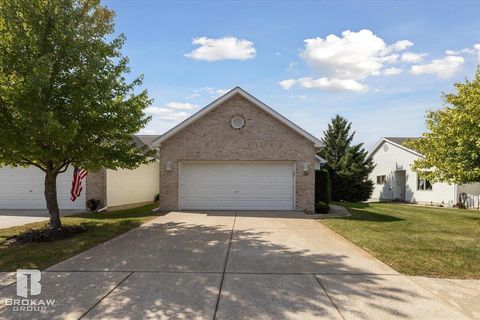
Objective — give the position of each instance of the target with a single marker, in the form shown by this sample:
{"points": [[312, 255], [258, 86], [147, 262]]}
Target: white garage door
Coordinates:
{"points": [[258, 185], [22, 188]]}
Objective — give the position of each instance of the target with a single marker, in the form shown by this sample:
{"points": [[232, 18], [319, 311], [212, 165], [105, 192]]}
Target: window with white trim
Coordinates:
{"points": [[381, 179], [423, 184]]}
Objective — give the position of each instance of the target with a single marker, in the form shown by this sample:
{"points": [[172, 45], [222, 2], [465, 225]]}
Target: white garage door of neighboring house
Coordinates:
{"points": [[230, 185], [23, 188]]}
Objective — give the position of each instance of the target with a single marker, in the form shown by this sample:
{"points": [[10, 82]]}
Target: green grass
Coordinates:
{"points": [[101, 227], [415, 240]]}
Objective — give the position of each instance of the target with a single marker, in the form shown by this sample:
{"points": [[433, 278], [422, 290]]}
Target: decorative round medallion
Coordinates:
{"points": [[385, 147], [237, 122]]}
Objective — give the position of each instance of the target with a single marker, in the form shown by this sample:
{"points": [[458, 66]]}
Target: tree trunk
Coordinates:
{"points": [[51, 198]]}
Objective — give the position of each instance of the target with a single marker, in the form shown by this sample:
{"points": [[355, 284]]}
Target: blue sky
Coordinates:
{"points": [[380, 64]]}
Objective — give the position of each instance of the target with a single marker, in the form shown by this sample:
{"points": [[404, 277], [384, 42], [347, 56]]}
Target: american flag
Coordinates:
{"points": [[78, 175]]}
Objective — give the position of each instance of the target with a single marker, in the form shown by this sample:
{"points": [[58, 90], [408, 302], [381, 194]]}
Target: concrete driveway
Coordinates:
{"points": [[19, 217], [230, 265]]}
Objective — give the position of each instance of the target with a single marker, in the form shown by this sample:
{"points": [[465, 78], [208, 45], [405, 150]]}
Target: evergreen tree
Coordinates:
{"points": [[347, 164]]}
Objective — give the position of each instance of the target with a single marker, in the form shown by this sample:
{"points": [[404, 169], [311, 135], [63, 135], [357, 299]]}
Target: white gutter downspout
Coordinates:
{"points": [[455, 196]]}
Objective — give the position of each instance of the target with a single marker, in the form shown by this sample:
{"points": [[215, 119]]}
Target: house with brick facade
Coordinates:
{"points": [[236, 153]]}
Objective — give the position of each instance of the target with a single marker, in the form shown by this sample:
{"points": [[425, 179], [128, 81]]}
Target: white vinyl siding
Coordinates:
{"points": [[237, 185], [394, 159]]}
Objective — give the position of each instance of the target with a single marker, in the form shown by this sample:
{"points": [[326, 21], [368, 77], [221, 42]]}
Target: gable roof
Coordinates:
{"points": [[320, 159], [141, 140], [396, 141], [146, 139], [227, 96], [400, 140]]}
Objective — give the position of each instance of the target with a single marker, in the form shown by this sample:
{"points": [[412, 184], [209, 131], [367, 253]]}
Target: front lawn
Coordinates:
{"points": [[101, 227], [415, 240]]}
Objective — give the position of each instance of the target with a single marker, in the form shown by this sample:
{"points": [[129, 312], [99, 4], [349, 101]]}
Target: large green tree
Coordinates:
{"points": [[348, 164], [451, 147], [64, 99]]}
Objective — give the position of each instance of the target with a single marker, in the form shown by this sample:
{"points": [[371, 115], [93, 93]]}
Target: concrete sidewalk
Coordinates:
{"points": [[231, 265], [19, 217]]}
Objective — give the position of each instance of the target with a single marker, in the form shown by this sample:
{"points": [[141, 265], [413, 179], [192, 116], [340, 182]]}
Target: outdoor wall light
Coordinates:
{"points": [[168, 167], [305, 167]]}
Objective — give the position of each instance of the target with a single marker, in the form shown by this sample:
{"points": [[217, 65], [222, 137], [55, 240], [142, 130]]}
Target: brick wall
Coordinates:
{"points": [[97, 186], [262, 138]]}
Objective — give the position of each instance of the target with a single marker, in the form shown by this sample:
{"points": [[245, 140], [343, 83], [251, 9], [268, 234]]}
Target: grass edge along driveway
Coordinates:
{"points": [[415, 240], [101, 227]]}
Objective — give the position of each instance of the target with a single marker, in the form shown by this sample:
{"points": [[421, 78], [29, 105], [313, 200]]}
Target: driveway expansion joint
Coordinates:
{"points": [[106, 295], [132, 271], [328, 296], [8, 285], [225, 266], [220, 272]]}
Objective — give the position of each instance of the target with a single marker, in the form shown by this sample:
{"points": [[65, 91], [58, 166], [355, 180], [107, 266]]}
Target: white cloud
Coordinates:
{"points": [[344, 61], [474, 50], [212, 92], [287, 84], [147, 131], [157, 110], [166, 113], [181, 106], [192, 96], [392, 71], [477, 48], [411, 57], [325, 83], [171, 111], [443, 68], [222, 49], [219, 92], [392, 58], [401, 45], [469, 50], [174, 116], [354, 55], [458, 52]]}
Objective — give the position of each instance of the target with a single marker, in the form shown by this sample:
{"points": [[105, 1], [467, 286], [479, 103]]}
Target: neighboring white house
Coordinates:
{"points": [[23, 188], [394, 178]]}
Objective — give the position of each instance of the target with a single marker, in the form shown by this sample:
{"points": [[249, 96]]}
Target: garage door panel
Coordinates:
{"points": [[237, 185], [210, 205], [23, 188], [264, 204], [265, 194], [205, 191]]}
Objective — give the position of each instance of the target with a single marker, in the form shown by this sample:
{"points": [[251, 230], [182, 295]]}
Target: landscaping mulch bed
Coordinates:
{"points": [[46, 234]]}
